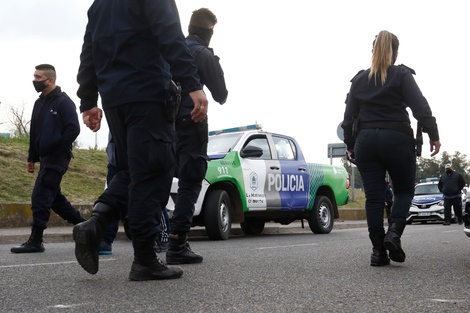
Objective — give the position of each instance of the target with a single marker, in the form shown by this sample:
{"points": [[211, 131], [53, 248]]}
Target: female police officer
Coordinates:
{"points": [[383, 141]]}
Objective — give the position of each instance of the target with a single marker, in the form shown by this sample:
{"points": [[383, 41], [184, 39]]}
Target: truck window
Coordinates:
{"points": [[285, 148], [263, 144]]}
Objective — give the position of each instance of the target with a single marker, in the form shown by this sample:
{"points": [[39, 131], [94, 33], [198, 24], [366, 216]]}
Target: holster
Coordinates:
{"points": [[172, 104], [419, 140]]}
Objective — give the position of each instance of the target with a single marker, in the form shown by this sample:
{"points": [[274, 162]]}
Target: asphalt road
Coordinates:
{"points": [[288, 272]]}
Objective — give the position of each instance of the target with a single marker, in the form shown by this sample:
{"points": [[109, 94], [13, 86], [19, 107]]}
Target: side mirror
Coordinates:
{"points": [[251, 152]]}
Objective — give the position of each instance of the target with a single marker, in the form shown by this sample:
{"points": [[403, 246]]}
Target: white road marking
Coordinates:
{"points": [[289, 246], [45, 264]]}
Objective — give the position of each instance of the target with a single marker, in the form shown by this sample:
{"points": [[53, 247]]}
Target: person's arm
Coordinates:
{"points": [[461, 182], [212, 75], [71, 126], [165, 25], [86, 77], [421, 110]]}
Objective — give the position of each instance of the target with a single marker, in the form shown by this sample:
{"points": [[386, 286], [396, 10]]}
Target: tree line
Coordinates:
{"points": [[425, 167]]}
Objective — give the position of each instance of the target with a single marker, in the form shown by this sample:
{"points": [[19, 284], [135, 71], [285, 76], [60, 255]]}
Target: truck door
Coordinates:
{"points": [[292, 179], [256, 171]]}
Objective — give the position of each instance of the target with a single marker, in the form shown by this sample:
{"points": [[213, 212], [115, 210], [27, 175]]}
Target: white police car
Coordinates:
{"points": [[428, 203]]}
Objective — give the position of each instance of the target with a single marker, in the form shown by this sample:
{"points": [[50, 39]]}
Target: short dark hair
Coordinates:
{"points": [[48, 69], [203, 18]]}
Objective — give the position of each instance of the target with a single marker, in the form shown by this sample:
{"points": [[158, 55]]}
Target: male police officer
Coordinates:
{"points": [[127, 47], [451, 184], [54, 128], [191, 148]]}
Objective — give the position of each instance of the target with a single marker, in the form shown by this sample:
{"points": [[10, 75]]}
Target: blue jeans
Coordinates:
{"points": [[378, 151]]}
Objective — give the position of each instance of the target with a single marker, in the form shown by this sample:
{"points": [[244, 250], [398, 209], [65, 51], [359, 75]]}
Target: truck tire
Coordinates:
{"points": [[217, 215], [321, 217], [252, 226]]}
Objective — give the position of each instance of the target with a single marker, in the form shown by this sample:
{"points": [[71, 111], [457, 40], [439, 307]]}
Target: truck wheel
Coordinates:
{"points": [[252, 226], [217, 215], [321, 218]]}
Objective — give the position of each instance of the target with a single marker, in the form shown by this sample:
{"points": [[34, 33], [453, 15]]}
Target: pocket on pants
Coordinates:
{"points": [[161, 156]]}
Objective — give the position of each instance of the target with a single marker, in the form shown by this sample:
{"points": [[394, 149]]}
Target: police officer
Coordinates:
{"points": [[191, 148], [54, 127], [378, 99], [124, 58], [451, 184]]}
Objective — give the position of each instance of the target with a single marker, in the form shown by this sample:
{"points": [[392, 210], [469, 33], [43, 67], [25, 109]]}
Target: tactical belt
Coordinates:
{"points": [[400, 126]]}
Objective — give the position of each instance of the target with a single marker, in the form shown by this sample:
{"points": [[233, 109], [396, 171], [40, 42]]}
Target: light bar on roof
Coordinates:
{"points": [[235, 129]]}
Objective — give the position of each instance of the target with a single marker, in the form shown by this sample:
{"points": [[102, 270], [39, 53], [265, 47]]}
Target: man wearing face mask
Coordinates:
{"points": [[451, 184], [191, 146], [54, 127]]}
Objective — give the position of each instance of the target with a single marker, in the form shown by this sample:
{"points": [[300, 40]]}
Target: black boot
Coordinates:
{"points": [[179, 251], [88, 234], [147, 266], [392, 240], [34, 243], [379, 255]]}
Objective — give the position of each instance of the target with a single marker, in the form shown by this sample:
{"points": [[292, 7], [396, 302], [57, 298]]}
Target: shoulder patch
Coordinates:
{"points": [[357, 75], [409, 68]]}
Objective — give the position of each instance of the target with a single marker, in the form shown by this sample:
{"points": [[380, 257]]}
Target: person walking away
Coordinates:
{"points": [[191, 147], [382, 141], [54, 128], [125, 60], [451, 184]]}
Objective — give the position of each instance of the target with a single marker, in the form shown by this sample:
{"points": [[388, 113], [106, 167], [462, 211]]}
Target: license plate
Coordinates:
{"points": [[424, 213]]}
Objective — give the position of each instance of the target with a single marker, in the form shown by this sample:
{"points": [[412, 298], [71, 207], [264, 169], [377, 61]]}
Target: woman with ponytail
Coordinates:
{"points": [[380, 140]]}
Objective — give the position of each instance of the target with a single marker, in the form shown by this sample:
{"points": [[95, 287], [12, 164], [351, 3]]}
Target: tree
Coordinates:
{"points": [[21, 126], [435, 167]]}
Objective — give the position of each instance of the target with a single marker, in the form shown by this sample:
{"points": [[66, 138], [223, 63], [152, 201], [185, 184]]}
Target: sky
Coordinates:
{"points": [[287, 64]]}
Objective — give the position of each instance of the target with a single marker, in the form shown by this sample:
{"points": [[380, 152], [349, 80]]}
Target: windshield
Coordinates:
{"points": [[426, 189], [220, 144]]}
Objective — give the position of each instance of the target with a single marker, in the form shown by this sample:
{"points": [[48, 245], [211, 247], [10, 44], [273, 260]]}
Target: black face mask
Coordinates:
{"points": [[203, 33], [449, 171], [39, 85]]}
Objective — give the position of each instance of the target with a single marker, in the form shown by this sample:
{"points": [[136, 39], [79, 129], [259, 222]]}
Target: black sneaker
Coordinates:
{"points": [[106, 248], [446, 223], [160, 247]]}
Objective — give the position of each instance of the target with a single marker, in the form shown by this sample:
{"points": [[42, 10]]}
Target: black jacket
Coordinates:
{"points": [[210, 72], [54, 127], [372, 102], [125, 47], [451, 184]]}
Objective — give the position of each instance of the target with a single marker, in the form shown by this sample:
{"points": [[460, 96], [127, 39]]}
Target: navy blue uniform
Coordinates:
{"points": [[54, 127], [127, 47], [191, 147], [451, 185], [385, 142]]}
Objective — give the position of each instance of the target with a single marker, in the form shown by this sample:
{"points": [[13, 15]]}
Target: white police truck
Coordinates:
{"points": [[254, 177]]}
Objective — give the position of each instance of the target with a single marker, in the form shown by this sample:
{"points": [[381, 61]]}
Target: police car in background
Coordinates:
{"points": [[428, 203], [254, 177]]}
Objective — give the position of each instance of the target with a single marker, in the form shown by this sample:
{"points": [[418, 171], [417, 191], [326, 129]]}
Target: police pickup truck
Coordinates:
{"points": [[254, 177]]}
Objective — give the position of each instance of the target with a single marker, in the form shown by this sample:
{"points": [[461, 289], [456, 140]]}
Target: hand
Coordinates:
{"points": [[435, 147], [350, 156], [92, 118], [30, 167], [198, 114]]}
